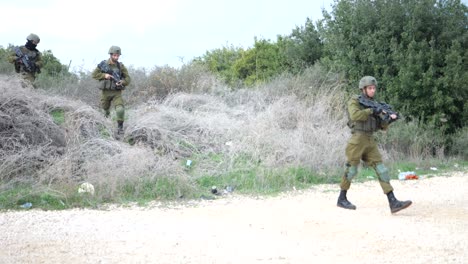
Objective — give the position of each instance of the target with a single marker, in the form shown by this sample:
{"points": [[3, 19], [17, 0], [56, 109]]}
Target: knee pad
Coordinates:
{"points": [[382, 172], [120, 112], [351, 172]]}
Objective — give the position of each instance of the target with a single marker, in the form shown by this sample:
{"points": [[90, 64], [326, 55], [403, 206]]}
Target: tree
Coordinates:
{"points": [[260, 63], [301, 49], [221, 61], [52, 65], [416, 49], [5, 65]]}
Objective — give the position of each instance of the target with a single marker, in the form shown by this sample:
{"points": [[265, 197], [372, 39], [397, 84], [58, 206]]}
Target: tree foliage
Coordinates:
{"points": [[267, 58], [258, 64], [5, 66], [52, 65], [221, 61], [417, 49], [301, 49]]}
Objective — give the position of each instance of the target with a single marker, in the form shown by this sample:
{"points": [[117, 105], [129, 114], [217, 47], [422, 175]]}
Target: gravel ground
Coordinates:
{"points": [[297, 227]]}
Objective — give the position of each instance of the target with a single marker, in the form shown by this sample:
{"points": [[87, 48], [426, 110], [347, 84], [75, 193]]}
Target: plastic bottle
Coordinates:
{"points": [[26, 205]]}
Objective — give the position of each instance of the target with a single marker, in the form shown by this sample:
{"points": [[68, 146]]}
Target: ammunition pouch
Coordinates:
{"points": [[110, 85]]}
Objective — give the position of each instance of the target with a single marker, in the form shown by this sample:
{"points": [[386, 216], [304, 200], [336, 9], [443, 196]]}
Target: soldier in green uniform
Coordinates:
{"points": [[113, 78], [362, 146], [27, 59]]}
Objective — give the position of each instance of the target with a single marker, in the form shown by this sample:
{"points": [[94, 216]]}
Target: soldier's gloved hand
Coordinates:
{"points": [[119, 83]]}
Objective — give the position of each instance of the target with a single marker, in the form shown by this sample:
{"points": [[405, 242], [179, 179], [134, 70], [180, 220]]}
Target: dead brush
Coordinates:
{"points": [[29, 138]]}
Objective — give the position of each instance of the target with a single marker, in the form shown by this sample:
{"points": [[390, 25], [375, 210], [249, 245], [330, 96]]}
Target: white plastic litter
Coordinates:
{"points": [[86, 187]]}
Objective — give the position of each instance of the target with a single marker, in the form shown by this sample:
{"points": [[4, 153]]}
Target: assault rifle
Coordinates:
{"points": [[29, 65], [104, 67], [382, 110]]}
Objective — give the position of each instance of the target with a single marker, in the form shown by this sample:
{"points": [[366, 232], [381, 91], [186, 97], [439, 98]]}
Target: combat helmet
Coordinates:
{"points": [[366, 81], [33, 37], [115, 49]]}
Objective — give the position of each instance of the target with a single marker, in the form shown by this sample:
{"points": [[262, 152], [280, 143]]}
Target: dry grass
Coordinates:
{"points": [[263, 126], [28, 136], [291, 122]]}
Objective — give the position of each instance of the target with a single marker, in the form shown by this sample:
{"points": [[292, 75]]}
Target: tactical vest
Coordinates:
{"points": [[369, 126], [110, 84], [32, 56]]}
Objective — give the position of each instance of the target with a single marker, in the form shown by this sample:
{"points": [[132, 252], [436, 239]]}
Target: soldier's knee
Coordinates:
{"points": [[120, 111], [382, 172], [351, 171], [119, 108]]}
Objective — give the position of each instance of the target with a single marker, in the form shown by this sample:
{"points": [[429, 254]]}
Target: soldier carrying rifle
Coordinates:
{"points": [[113, 78], [367, 116], [27, 59]]}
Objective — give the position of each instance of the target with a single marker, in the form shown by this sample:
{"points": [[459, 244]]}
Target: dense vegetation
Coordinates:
{"points": [[418, 50], [266, 118]]}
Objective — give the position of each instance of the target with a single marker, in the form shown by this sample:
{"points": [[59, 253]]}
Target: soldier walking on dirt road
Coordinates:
{"points": [[362, 146]]}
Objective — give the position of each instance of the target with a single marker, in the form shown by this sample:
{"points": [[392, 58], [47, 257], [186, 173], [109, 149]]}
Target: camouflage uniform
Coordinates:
{"points": [[34, 56], [111, 92], [362, 146]]}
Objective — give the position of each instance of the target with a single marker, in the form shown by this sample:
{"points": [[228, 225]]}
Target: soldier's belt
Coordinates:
{"points": [[362, 132]]}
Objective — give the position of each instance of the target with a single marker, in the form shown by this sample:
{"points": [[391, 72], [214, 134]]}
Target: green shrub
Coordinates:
{"points": [[412, 139], [459, 144]]}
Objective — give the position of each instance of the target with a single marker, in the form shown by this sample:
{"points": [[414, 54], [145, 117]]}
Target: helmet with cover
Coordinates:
{"points": [[366, 81], [115, 50], [33, 37]]}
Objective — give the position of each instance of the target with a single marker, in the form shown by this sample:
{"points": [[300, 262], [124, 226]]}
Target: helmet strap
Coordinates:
{"points": [[364, 91]]}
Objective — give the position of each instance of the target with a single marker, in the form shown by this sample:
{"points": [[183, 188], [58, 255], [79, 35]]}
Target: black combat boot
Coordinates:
{"points": [[120, 127], [343, 201], [396, 205]]}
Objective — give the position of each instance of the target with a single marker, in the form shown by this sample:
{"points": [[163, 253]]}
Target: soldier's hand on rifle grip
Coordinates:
{"points": [[119, 83], [393, 116], [107, 76], [378, 110]]}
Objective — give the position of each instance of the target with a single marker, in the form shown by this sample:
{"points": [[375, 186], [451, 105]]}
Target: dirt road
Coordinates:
{"points": [[298, 227]]}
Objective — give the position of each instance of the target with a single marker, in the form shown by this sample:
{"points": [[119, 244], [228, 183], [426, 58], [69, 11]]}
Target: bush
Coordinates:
{"points": [[459, 144], [5, 66], [29, 138], [412, 140], [163, 81]]}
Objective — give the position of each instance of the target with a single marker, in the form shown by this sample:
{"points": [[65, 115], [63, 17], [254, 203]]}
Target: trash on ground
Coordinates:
{"points": [[433, 168], [26, 205], [86, 187], [407, 175], [227, 190]]}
